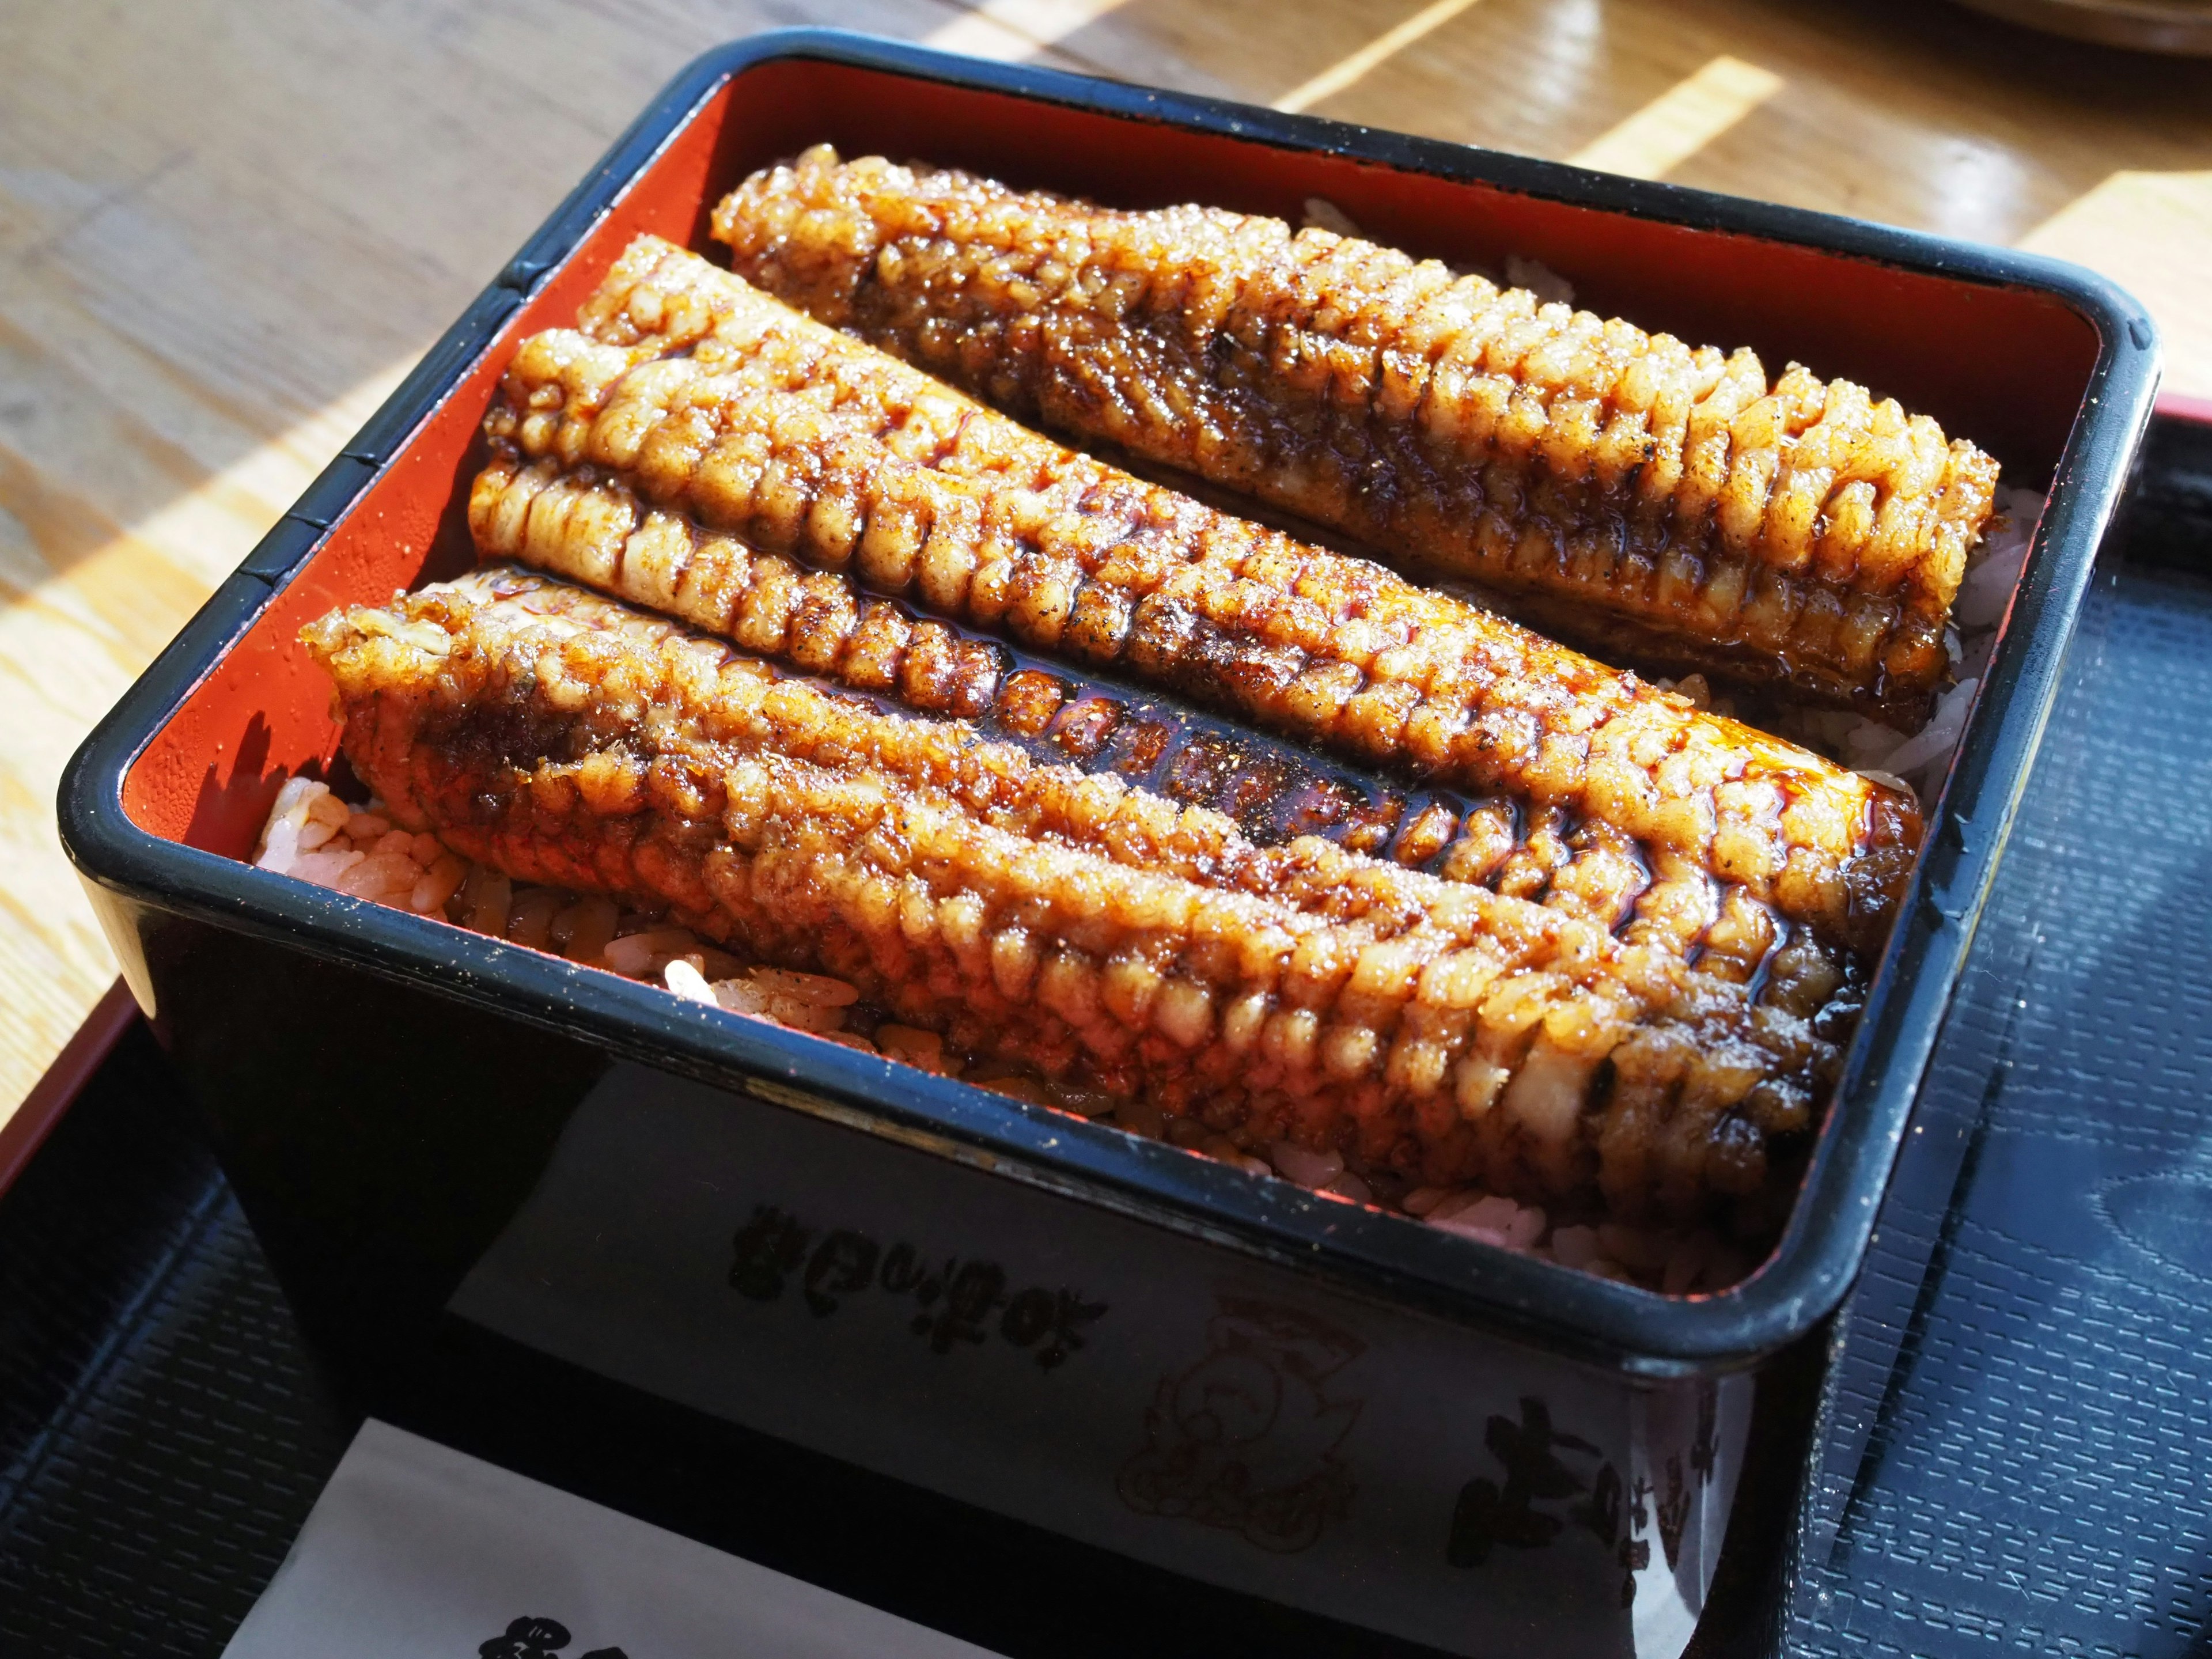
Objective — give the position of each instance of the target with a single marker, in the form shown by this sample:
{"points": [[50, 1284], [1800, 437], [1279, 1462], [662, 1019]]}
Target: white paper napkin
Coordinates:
{"points": [[417, 1552]]}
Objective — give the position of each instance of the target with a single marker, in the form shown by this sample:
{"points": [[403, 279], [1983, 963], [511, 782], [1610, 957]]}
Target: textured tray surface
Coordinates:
{"points": [[2037, 1458], [2035, 1409], [162, 1433]]}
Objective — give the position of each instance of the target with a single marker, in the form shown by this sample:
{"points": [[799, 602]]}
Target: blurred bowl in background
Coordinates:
{"points": [[2182, 27]]}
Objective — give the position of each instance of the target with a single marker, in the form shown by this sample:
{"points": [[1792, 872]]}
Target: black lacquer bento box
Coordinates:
{"points": [[1256, 1386]]}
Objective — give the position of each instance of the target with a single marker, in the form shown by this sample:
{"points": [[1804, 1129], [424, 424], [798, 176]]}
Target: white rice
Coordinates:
{"points": [[1538, 278], [1321, 214], [1994, 565]]}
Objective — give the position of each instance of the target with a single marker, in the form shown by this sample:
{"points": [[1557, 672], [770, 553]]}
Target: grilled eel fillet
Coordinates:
{"points": [[1673, 498], [1069, 922], [696, 443], [1276, 793]]}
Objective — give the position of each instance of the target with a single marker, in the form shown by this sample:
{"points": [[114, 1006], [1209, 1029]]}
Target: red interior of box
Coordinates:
{"points": [[2009, 367]]}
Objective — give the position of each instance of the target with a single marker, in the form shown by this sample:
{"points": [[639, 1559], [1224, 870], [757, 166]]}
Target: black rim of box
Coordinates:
{"points": [[1372, 1252]]}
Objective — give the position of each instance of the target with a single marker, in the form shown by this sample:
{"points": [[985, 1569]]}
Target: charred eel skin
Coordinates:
{"points": [[1276, 791]]}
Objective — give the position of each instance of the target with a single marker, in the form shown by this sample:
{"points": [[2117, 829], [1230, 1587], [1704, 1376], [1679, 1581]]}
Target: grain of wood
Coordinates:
{"points": [[1010, 30], [1355, 66], [2151, 233], [1682, 120], [72, 639]]}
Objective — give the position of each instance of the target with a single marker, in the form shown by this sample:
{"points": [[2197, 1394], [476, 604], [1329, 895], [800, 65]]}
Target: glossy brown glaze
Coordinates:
{"points": [[1276, 792], [703, 448], [1657, 496]]}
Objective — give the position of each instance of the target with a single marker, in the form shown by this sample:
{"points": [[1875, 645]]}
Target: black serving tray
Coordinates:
{"points": [[2008, 1447]]}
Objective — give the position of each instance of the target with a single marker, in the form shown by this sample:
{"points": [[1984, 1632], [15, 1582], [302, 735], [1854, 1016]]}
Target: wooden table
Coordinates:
{"points": [[226, 227]]}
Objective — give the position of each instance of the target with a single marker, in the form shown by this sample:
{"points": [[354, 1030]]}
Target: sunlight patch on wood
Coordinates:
{"points": [[1682, 120], [1010, 30], [1345, 70], [71, 641], [2152, 234]]}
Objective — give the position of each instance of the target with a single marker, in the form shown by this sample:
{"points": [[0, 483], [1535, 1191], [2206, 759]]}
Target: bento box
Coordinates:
{"points": [[1247, 1383]]}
